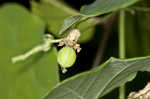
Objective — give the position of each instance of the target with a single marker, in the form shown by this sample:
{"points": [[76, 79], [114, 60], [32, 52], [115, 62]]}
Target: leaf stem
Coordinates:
{"points": [[45, 46], [122, 46]]}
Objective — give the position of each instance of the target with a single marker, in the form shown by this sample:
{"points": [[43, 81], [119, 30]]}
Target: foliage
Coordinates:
{"points": [[37, 77], [54, 21], [100, 81], [19, 32]]}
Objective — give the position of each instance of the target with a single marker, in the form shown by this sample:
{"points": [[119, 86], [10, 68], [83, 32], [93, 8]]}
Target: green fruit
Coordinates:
{"points": [[66, 57]]}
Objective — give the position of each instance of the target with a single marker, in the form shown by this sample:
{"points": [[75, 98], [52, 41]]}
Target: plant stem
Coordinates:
{"points": [[122, 46], [57, 40]]}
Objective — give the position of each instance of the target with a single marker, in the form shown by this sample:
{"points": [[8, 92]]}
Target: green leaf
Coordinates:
{"points": [[47, 9], [33, 78], [68, 22], [100, 7], [85, 25], [99, 81], [53, 13], [87, 29]]}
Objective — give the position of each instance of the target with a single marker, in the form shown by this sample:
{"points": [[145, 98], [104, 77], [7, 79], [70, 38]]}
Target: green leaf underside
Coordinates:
{"points": [[100, 7], [99, 81], [19, 32], [69, 22]]}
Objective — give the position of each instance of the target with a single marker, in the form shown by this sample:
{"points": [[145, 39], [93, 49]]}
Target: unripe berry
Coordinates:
{"points": [[66, 57]]}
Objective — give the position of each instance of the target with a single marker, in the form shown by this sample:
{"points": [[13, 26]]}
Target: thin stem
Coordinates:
{"points": [[57, 40], [42, 47], [122, 34], [24, 56], [122, 47]]}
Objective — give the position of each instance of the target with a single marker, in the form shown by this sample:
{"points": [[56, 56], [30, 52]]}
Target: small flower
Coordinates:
{"points": [[71, 40]]}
